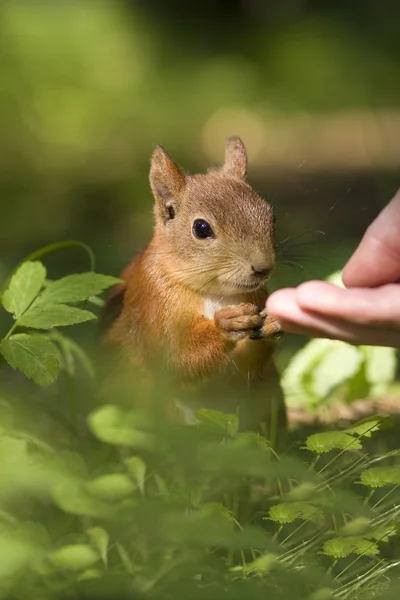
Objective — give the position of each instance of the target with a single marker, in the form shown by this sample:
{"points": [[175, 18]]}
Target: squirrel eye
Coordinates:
{"points": [[202, 230]]}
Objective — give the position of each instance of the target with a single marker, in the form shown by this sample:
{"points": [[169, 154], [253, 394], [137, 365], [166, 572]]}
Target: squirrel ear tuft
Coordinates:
{"points": [[167, 182], [235, 158]]}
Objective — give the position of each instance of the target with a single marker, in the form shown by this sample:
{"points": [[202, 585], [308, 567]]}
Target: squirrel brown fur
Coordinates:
{"points": [[195, 297]]}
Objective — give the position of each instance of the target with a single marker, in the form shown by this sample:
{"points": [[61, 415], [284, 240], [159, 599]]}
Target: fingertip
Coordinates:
{"points": [[284, 306], [278, 300], [318, 296]]}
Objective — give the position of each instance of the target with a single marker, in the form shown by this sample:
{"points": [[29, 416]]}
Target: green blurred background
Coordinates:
{"points": [[87, 88]]}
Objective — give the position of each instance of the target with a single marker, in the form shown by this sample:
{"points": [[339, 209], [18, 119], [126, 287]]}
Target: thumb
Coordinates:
{"points": [[376, 261]]}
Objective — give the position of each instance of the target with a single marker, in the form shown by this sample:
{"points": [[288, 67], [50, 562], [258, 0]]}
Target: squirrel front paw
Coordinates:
{"points": [[270, 328], [238, 321]]}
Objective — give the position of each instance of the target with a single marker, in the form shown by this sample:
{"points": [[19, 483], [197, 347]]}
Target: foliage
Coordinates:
{"points": [[326, 369], [109, 501], [37, 304]]}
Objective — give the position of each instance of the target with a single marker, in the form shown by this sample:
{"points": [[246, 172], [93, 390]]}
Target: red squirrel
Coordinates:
{"points": [[196, 295]]}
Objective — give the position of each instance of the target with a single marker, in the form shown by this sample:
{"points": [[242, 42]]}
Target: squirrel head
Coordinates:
{"points": [[215, 232]]}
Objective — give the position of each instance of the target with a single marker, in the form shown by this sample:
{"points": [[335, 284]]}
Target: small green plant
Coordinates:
{"points": [[38, 306]]}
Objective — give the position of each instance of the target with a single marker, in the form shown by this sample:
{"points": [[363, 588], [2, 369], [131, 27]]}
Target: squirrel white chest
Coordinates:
{"points": [[212, 304]]}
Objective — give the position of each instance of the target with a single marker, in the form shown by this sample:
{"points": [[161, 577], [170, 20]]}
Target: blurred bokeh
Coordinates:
{"points": [[87, 88]]}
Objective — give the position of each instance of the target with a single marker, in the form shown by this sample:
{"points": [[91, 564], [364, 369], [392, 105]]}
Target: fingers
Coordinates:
{"points": [[334, 329], [335, 323], [372, 307], [376, 261]]}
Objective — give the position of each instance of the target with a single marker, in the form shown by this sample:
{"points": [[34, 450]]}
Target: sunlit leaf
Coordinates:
{"points": [[100, 539], [23, 288], [124, 557], [296, 377], [137, 469], [76, 288], [379, 476], [355, 527], [47, 316], [304, 491], [74, 557], [263, 564], [380, 367], [287, 512], [340, 547], [337, 366], [366, 427], [216, 508], [335, 278], [13, 449], [113, 425], [112, 487], [36, 356], [90, 574], [16, 554], [332, 440], [222, 423], [72, 498]]}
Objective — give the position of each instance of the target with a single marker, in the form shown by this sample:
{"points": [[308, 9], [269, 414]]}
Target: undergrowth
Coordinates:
{"points": [[103, 501]]}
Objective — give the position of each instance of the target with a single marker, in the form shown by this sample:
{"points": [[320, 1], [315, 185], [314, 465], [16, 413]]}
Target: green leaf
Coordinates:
{"points": [[337, 366], [225, 424], [100, 538], [216, 508], [23, 288], [16, 555], [113, 487], [80, 356], [362, 527], [340, 547], [287, 512], [381, 476], [47, 316], [358, 526], [76, 288], [366, 427], [332, 440], [380, 368], [36, 356], [90, 574], [72, 353], [124, 557], [300, 493], [75, 557], [297, 376], [137, 469], [335, 278], [263, 564], [115, 426], [72, 498], [212, 529], [244, 457]]}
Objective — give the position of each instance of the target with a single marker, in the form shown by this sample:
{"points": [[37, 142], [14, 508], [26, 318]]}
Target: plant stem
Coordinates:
{"points": [[11, 331]]}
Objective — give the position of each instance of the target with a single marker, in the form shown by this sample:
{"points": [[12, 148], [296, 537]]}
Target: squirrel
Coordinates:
{"points": [[196, 295]]}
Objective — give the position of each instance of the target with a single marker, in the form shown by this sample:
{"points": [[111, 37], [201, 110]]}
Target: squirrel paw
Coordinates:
{"points": [[238, 321], [271, 328]]}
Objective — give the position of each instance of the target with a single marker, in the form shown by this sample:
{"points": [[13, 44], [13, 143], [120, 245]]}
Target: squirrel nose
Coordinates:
{"points": [[261, 270]]}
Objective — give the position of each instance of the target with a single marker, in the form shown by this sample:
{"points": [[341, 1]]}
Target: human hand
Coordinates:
{"points": [[368, 312]]}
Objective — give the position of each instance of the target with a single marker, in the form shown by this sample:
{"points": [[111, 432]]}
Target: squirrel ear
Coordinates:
{"points": [[167, 182], [235, 158]]}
